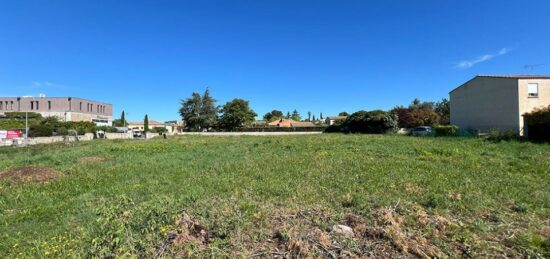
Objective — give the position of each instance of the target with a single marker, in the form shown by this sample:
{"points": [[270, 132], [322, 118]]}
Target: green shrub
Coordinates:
{"points": [[40, 130], [62, 131], [446, 131], [159, 130], [11, 124], [498, 136], [376, 122], [334, 128], [537, 123]]}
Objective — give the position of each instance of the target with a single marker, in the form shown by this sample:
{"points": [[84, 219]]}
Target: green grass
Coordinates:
{"points": [[496, 195]]}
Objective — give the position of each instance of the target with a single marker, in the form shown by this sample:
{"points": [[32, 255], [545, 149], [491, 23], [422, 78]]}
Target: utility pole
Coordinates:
{"points": [[27, 123], [26, 127]]}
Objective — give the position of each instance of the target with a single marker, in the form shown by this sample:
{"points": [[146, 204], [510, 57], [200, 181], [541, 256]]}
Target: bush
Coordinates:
{"points": [[279, 129], [376, 122], [40, 130], [537, 123], [62, 131], [446, 131], [11, 124], [333, 128], [498, 136], [159, 130]]}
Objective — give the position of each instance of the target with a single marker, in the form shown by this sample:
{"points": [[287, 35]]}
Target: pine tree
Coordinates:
{"points": [[321, 116], [288, 115], [146, 123], [308, 116], [295, 115], [198, 111]]}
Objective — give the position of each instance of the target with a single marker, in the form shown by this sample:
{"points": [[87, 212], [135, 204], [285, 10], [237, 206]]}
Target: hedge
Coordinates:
{"points": [[537, 123]]}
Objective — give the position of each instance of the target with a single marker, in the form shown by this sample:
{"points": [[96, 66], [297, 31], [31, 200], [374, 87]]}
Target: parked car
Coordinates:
{"points": [[421, 131], [136, 133]]}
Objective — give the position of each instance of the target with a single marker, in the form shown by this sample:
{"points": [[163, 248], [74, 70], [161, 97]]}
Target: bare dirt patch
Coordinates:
{"points": [[91, 159], [187, 232], [30, 174]]}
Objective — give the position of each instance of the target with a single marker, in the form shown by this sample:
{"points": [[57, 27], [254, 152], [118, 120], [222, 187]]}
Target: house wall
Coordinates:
{"points": [[528, 104], [486, 103]]}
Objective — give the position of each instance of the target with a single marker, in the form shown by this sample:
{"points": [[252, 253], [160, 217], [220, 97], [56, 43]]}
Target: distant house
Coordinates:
{"points": [[287, 123], [330, 120], [498, 102], [259, 123], [138, 125]]}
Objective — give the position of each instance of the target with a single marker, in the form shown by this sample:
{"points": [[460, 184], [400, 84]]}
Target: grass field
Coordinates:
{"points": [[276, 196]]}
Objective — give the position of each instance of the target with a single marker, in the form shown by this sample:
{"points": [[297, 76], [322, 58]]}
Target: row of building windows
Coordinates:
{"points": [[90, 108], [35, 105], [6, 106]]}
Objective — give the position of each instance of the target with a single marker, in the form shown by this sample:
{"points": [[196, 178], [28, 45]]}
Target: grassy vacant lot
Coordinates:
{"points": [[276, 196]]}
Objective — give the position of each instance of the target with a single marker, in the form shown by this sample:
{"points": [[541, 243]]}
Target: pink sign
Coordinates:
{"points": [[11, 134]]}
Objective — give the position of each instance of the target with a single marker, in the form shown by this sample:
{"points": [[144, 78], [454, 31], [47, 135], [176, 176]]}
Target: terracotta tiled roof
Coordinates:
{"points": [[287, 123]]}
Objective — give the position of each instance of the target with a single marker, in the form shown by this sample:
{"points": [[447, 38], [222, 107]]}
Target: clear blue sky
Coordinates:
{"points": [[319, 56]]}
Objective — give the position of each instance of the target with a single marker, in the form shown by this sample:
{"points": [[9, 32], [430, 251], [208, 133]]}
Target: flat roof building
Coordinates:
{"points": [[64, 108]]}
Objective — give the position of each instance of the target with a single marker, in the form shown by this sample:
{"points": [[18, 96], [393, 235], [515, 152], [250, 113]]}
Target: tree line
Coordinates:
{"points": [[200, 112]]}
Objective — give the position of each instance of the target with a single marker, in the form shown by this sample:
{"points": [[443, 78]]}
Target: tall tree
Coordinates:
{"points": [[321, 116], [236, 113], [295, 115], [208, 109], [308, 116], [146, 123], [443, 108], [343, 114], [288, 115], [313, 118], [273, 115], [120, 122], [123, 118], [417, 104], [198, 111]]}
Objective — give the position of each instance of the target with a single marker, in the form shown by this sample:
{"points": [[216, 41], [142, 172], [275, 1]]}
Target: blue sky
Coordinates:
{"points": [[318, 56]]}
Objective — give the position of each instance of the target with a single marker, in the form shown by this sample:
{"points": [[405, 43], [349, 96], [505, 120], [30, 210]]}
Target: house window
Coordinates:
{"points": [[81, 106], [533, 90], [37, 103], [1, 106], [49, 105], [32, 105], [11, 105]]}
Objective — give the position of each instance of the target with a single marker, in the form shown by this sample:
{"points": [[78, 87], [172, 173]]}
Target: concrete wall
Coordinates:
{"points": [[228, 134], [110, 135], [486, 103], [46, 140], [528, 104]]}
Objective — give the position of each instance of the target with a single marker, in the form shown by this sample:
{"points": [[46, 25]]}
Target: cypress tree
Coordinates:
{"points": [[122, 119], [146, 123]]}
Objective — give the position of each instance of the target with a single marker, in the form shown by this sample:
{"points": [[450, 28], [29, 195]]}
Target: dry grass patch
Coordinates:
{"points": [[30, 174], [91, 159]]}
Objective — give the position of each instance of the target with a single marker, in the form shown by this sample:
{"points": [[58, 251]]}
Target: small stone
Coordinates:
{"points": [[344, 230]]}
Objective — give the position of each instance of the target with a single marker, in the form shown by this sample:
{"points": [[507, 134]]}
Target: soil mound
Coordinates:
{"points": [[30, 174]]}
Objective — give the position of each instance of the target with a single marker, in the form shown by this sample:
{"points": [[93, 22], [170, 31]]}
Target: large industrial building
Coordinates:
{"points": [[64, 108]]}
